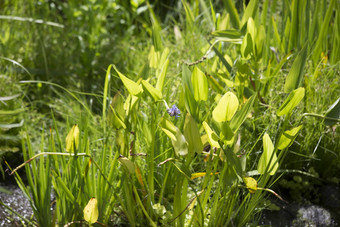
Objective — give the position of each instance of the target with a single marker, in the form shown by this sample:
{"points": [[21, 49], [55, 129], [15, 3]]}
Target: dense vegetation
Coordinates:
{"points": [[184, 113]]}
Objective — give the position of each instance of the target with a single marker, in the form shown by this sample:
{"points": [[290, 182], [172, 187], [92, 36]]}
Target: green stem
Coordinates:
{"points": [[143, 209]]}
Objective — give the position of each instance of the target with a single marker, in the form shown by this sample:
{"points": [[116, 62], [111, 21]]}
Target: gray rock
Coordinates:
{"points": [[313, 216]]}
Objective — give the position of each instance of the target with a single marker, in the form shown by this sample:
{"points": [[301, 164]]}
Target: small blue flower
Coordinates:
{"points": [[174, 111]]}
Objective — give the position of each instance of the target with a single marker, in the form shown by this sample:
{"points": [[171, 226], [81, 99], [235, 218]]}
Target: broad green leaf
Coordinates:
{"points": [[259, 42], [180, 144], [177, 138], [232, 36], [186, 78], [250, 11], [169, 128], [333, 112], [127, 163], [190, 103], [161, 76], [251, 28], [251, 184], [268, 159], [200, 85], [288, 137], [247, 46], [72, 138], [212, 137], [295, 74], [153, 92], [227, 134], [192, 135], [291, 101], [130, 102], [226, 107], [91, 211], [132, 87], [242, 114]]}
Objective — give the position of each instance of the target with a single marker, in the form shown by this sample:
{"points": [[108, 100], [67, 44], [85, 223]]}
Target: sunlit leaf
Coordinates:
{"points": [[132, 87], [153, 92], [169, 128], [226, 107], [291, 101], [227, 134], [201, 174], [91, 211], [232, 36], [242, 114], [249, 12], [177, 138], [288, 137], [212, 137], [268, 159], [200, 85], [251, 184], [130, 102], [72, 138]]}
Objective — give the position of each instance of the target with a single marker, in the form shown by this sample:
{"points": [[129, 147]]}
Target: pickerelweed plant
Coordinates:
{"points": [[197, 145]]}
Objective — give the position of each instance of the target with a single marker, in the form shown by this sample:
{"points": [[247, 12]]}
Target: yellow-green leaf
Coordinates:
{"points": [[169, 128], [153, 92], [72, 138], [226, 107], [288, 137], [200, 85], [132, 87], [291, 101], [130, 102], [212, 137], [177, 138], [200, 174], [129, 165], [91, 211], [192, 135], [251, 184], [268, 160]]}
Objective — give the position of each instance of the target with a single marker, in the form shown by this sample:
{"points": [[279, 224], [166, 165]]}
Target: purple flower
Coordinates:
{"points": [[174, 111]]}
